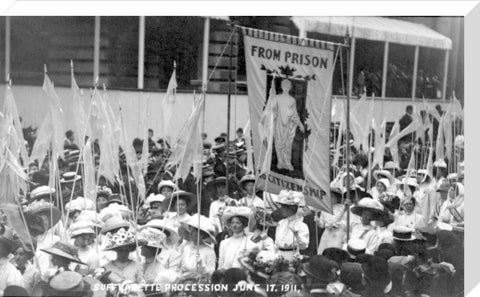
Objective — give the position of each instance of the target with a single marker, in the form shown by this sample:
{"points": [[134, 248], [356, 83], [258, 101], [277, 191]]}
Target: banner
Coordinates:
{"points": [[299, 104]]}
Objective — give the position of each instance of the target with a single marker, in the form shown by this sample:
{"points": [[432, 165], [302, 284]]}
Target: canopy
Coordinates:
{"points": [[375, 28]]}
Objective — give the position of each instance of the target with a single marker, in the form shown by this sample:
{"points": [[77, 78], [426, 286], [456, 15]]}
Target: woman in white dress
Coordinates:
{"points": [[334, 225], [238, 245]]}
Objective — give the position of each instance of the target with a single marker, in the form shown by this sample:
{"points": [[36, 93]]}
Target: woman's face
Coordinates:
{"points": [[59, 261], [101, 202], [381, 187], [181, 206], [147, 252], [452, 193], [236, 225], [366, 217], [82, 241], [408, 206], [167, 192]]}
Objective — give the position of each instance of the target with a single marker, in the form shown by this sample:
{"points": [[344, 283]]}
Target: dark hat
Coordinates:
{"points": [[375, 207], [351, 274], [207, 145], [220, 180], [115, 198], [15, 291], [376, 271], [64, 250], [384, 253], [189, 198], [321, 268], [220, 139], [386, 217], [336, 254]]}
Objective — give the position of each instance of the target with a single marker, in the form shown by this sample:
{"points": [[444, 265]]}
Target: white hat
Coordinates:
{"points": [[205, 225], [81, 227], [240, 211], [165, 227], [154, 237], [409, 181], [80, 204], [41, 192], [167, 183], [453, 176], [385, 182], [290, 198], [440, 164], [154, 198], [356, 246], [70, 177], [391, 165], [378, 174]]}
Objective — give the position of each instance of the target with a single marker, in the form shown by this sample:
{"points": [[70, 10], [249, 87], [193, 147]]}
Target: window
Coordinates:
{"points": [[368, 67], [169, 39], [53, 41], [400, 71], [430, 73]]}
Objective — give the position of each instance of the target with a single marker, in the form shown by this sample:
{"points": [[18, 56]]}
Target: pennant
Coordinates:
{"points": [[168, 103], [393, 145], [266, 126], [248, 146], [188, 150]]}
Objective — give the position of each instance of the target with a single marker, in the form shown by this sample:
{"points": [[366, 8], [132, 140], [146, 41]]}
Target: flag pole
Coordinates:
{"points": [[234, 28], [347, 206]]}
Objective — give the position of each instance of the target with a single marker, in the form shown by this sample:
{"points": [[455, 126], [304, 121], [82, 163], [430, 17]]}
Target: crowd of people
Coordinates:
{"points": [[400, 235]]}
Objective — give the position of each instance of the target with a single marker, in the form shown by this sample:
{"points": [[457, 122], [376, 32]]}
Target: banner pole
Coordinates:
{"points": [[347, 206]]}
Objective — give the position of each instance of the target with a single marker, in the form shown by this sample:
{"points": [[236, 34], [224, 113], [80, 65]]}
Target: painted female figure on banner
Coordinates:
{"points": [[287, 120]]}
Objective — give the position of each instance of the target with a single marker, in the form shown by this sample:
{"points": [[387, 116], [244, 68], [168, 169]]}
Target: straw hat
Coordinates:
{"points": [[221, 180], [113, 223], [290, 198], [64, 250], [190, 198], [69, 282], [115, 210], [403, 233], [205, 225], [375, 207], [167, 183], [80, 204], [70, 177], [92, 217], [240, 211], [152, 198], [412, 182], [379, 174], [42, 192], [122, 238], [385, 182], [154, 238], [44, 208], [81, 227], [356, 246], [247, 178], [391, 165], [165, 227]]}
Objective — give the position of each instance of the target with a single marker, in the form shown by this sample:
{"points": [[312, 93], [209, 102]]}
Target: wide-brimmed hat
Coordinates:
{"points": [[190, 199], [321, 268], [114, 222], [68, 282], [412, 182], [238, 211], [7, 238], [81, 227], [92, 217], [70, 177], [440, 164], [122, 238], [44, 208], [154, 237], [403, 233], [391, 165], [247, 178], [425, 174], [375, 207], [152, 198], [452, 176], [386, 217], [167, 183], [116, 198], [443, 187], [385, 182], [165, 227], [290, 198], [64, 250], [355, 247], [42, 192], [336, 254], [378, 174], [80, 204], [206, 225]]}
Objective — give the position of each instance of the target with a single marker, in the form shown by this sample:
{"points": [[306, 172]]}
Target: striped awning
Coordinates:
{"points": [[375, 28]]}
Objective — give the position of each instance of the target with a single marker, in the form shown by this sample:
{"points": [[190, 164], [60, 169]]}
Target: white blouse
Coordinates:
{"points": [[232, 248]]}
